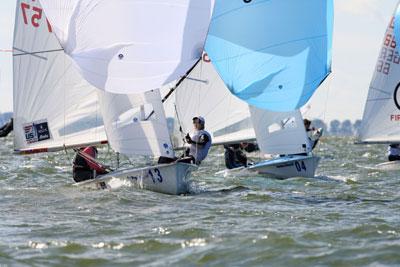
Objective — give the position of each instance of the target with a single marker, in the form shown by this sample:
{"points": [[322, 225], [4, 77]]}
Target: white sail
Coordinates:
{"points": [[380, 123], [280, 132], [203, 93], [131, 46], [136, 124], [53, 106]]}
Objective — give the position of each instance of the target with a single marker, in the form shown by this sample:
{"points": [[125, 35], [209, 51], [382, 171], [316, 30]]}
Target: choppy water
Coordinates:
{"points": [[348, 216]]}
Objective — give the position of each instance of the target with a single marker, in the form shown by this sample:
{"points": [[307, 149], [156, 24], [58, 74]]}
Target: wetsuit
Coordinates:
{"points": [[234, 157], [6, 128], [84, 168], [393, 153]]}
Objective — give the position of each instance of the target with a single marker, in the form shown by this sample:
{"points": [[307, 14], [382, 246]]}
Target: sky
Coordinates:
{"points": [[358, 34]]}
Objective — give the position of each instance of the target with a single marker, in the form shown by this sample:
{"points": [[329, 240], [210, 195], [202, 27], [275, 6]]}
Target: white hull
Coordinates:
{"points": [[165, 178], [288, 167], [389, 166], [283, 167]]}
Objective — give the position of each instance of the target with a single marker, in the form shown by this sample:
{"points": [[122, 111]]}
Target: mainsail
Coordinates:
{"points": [[54, 107], [280, 132], [136, 124], [203, 93], [131, 46], [272, 54], [381, 119]]}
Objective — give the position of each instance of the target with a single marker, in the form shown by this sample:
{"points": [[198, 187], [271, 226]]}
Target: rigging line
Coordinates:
{"points": [[179, 123], [327, 99], [172, 90]]}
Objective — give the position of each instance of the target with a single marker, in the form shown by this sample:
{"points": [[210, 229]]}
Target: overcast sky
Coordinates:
{"points": [[359, 29]]}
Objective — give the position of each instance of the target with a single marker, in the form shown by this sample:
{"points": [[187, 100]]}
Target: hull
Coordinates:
{"points": [[389, 166], [165, 178], [288, 167], [283, 168]]}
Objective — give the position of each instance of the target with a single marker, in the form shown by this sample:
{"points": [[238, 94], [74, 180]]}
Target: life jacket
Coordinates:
{"points": [[199, 152]]}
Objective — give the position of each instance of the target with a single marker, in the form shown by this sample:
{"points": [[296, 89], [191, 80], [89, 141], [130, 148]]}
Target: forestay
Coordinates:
{"points": [[54, 107], [131, 46], [136, 124], [272, 54], [203, 93], [380, 123], [280, 132]]}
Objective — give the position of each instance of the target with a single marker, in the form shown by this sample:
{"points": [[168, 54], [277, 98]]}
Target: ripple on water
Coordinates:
{"points": [[347, 216]]}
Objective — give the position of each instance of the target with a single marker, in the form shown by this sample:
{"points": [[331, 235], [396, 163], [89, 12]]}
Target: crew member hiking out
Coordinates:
{"points": [[85, 166], [313, 134], [199, 142]]}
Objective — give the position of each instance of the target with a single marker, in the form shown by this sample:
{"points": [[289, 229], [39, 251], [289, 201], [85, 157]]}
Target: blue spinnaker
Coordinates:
{"points": [[273, 54]]}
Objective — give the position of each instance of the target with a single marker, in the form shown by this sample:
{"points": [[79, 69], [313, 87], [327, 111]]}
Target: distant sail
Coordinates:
{"points": [[272, 54], [381, 119], [203, 93], [136, 124], [131, 46], [54, 107]]}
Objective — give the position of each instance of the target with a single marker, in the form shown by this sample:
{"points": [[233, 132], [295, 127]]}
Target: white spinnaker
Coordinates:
{"points": [[131, 46], [381, 119], [136, 124], [203, 93], [48, 91], [280, 132]]}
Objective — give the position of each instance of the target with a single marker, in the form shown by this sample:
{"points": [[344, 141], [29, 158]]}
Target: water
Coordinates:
{"points": [[347, 216]]}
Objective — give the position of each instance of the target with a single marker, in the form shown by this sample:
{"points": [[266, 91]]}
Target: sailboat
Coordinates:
{"points": [[59, 106], [274, 63], [382, 109]]}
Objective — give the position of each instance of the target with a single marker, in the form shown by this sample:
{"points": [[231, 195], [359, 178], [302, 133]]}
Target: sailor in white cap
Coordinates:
{"points": [[199, 141]]}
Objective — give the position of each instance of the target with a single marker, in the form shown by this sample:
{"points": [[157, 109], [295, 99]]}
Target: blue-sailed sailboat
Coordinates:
{"points": [[274, 54]]}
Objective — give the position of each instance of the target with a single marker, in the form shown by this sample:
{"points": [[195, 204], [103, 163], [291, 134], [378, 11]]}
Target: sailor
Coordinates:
{"points": [[85, 166], [6, 128], [234, 156], [199, 141], [394, 152], [313, 134]]}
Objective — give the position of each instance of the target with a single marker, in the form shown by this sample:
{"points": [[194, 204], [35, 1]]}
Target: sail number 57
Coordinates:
{"points": [[36, 15]]}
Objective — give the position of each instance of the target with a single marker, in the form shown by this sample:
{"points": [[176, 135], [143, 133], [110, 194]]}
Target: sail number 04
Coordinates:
{"points": [[300, 166], [36, 15]]}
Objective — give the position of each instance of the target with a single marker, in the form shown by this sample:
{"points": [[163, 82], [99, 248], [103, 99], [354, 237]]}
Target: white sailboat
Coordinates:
{"points": [[380, 123], [56, 109], [136, 126]]}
